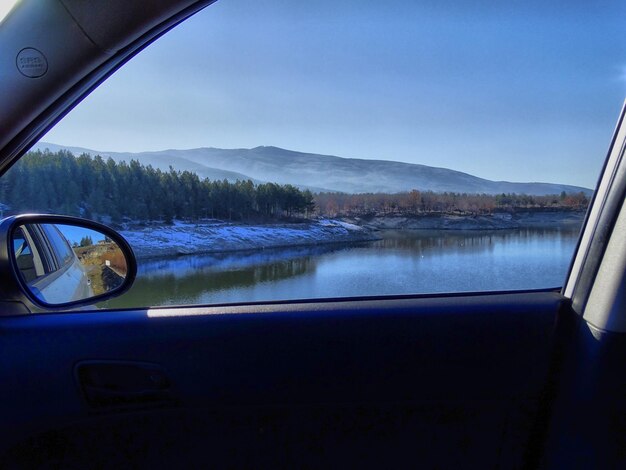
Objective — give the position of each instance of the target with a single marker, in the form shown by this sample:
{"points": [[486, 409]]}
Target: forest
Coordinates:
{"points": [[99, 189]]}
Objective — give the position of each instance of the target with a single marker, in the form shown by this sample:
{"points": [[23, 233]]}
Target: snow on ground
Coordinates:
{"points": [[339, 223], [186, 238]]}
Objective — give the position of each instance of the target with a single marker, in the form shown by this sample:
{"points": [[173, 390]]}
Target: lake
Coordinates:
{"points": [[403, 262]]}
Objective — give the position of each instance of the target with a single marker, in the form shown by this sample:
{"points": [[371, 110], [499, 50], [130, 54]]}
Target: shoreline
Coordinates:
{"points": [[212, 237], [182, 239], [496, 221]]}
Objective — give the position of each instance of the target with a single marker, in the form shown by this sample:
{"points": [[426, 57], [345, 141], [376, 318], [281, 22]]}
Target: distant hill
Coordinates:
{"points": [[323, 172], [157, 160]]}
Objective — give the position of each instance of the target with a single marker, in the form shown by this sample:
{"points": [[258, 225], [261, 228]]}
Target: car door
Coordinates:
{"points": [[495, 379]]}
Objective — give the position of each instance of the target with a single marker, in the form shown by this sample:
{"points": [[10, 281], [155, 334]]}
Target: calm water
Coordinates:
{"points": [[402, 263]]}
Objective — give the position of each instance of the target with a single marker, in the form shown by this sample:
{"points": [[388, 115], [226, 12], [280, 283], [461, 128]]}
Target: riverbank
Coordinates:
{"points": [[216, 236], [496, 221], [181, 238]]}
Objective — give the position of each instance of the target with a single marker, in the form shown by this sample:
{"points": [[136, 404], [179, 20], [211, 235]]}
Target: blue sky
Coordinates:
{"points": [[74, 233], [518, 91]]}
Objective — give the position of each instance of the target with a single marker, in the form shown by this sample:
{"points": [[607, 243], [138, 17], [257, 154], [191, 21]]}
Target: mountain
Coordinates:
{"points": [[156, 159], [324, 172]]}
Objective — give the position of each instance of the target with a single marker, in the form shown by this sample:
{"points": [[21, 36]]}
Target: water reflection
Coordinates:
{"points": [[429, 241], [185, 280], [401, 262]]}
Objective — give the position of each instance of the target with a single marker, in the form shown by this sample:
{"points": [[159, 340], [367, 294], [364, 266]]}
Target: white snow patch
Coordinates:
{"points": [[185, 238]]}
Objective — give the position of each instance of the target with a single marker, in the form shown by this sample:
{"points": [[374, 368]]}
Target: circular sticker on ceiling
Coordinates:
{"points": [[31, 63]]}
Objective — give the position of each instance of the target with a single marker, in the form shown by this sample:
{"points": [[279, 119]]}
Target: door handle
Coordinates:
{"points": [[122, 384]]}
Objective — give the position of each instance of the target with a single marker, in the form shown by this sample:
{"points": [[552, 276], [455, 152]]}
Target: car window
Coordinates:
{"points": [[20, 245], [63, 253], [263, 152], [43, 256], [29, 267]]}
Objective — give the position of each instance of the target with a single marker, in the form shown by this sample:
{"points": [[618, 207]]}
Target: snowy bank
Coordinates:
{"points": [[188, 238]]}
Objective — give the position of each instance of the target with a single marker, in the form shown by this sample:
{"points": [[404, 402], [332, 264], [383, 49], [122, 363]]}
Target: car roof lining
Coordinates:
{"points": [[78, 58], [114, 24]]}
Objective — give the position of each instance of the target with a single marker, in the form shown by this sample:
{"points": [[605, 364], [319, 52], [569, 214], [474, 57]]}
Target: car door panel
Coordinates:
{"points": [[405, 377], [588, 422]]}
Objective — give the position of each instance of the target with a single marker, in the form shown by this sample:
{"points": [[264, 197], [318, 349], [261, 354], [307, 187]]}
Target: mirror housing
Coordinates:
{"points": [[52, 262]]}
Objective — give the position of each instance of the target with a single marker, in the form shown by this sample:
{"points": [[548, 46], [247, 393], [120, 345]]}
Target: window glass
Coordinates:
{"points": [[24, 256], [43, 256], [20, 245], [62, 250], [298, 150]]}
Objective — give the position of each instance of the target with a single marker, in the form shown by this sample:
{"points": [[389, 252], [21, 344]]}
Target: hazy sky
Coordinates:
{"points": [[518, 91]]}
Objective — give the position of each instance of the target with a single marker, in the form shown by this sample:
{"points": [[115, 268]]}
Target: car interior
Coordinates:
{"points": [[525, 379]]}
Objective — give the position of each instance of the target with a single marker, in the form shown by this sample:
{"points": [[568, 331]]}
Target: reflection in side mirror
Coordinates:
{"points": [[61, 263]]}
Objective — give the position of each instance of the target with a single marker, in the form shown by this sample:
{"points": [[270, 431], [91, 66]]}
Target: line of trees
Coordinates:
{"points": [[84, 241], [423, 202], [97, 188]]}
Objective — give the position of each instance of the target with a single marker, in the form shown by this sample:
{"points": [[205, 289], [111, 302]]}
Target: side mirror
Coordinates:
{"points": [[58, 261]]}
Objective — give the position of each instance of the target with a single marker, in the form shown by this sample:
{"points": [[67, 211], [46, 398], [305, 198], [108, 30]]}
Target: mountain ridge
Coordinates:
{"points": [[322, 172]]}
